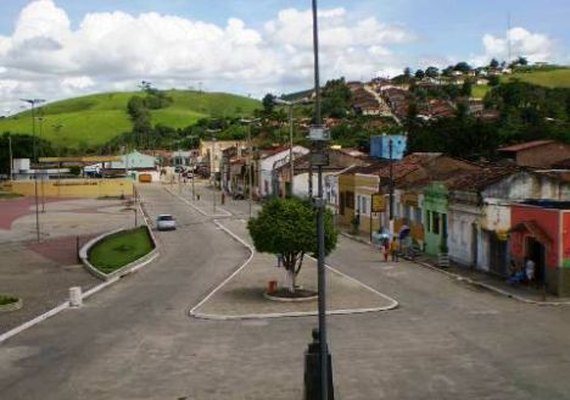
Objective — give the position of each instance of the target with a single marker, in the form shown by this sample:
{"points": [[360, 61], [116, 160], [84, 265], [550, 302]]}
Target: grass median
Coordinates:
{"points": [[120, 249]]}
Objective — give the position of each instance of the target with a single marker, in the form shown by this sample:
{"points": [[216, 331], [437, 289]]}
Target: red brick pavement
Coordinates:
{"points": [[12, 209], [62, 250]]}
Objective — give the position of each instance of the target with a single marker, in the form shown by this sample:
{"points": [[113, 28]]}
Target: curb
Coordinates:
{"points": [[470, 281], [219, 317], [124, 270], [85, 295]]}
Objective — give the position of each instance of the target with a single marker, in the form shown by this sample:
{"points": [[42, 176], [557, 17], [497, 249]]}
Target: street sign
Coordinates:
{"points": [[378, 202]]}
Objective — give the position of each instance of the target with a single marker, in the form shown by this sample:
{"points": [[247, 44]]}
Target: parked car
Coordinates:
{"points": [[165, 222]]}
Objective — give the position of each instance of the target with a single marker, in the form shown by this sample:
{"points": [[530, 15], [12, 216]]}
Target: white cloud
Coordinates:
{"points": [[533, 46], [45, 57]]}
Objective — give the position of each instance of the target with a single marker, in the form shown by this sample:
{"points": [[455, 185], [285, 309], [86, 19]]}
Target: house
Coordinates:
{"points": [[388, 146], [133, 164], [538, 153], [541, 232], [212, 151], [338, 160], [479, 213], [269, 164]]}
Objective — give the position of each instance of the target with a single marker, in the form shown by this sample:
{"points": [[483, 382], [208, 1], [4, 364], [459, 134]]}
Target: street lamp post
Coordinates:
{"points": [[249, 164], [11, 157], [290, 104], [213, 169], [33, 103], [41, 120], [319, 135], [391, 194]]}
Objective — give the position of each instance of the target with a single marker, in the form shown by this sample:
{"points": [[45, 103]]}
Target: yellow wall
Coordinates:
{"points": [[365, 186], [346, 184], [90, 188]]}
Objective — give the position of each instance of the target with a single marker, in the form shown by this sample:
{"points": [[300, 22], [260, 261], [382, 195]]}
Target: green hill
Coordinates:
{"points": [[552, 78], [93, 120]]}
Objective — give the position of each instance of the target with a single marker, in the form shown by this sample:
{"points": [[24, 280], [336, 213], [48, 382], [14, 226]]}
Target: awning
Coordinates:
{"points": [[534, 230]]}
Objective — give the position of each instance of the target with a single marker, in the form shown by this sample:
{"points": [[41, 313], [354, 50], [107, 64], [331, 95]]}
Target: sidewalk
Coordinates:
{"points": [[481, 279]]}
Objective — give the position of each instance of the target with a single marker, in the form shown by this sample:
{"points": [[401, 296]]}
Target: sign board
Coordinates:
{"points": [[410, 199], [378, 202]]}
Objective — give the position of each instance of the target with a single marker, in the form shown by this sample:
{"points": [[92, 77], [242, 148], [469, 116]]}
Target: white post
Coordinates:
{"points": [[75, 297]]}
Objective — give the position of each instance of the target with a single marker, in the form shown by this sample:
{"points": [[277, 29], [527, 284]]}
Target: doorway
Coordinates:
{"points": [[537, 253]]}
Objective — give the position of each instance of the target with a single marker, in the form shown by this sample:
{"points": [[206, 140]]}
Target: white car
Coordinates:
{"points": [[165, 222]]}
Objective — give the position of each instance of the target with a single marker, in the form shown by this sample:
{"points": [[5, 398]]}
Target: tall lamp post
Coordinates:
{"points": [[391, 194], [213, 169], [250, 158], [290, 104], [319, 135], [33, 103]]}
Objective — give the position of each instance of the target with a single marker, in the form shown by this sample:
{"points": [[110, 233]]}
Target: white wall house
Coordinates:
{"points": [[267, 167]]}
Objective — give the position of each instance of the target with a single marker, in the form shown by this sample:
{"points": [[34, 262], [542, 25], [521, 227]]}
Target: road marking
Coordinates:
{"points": [[392, 302]]}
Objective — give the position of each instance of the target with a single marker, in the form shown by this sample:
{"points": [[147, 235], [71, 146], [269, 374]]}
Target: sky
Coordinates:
{"points": [[56, 49]]}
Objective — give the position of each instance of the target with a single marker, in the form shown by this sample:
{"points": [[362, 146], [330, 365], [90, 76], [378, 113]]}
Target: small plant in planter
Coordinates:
{"points": [[5, 300], [9, 303]]}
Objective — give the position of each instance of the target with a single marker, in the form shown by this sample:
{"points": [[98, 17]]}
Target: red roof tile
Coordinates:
{"points": [[526, 146]]}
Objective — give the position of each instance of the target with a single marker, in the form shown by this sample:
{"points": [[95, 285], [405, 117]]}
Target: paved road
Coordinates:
{"points": [[135, 340]]}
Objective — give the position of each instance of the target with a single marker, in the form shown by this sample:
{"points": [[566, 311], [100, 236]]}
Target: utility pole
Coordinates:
{"points": [[33, 103], [41, 120], [11, 157], [319, 135], [391, 195], [249, 163], [290, 104]]}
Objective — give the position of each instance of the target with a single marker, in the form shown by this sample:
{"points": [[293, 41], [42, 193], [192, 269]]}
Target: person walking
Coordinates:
{"points": [[386, 248], [529, 269], [394, 248]]}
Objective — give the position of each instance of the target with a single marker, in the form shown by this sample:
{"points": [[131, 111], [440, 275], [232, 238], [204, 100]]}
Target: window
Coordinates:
{"points": [[428, 221], [417, 215], [408, 212]]}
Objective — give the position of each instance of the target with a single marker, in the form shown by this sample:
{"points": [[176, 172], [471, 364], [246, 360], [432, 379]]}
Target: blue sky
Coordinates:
{"points": [[65, 47]]}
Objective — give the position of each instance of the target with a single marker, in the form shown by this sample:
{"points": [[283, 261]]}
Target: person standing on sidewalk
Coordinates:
{"points": [[386, 249], [394, 248]]}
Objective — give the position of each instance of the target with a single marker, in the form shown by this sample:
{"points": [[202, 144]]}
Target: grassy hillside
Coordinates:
{"points": [[551, 79], [92, 120]]}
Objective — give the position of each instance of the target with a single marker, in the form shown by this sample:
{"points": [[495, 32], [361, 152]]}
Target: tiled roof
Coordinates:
{"points": [[526, 146], [480, 179]]}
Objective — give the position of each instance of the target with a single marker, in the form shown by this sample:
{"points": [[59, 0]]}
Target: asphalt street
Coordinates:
{"points": [[135, 340]]}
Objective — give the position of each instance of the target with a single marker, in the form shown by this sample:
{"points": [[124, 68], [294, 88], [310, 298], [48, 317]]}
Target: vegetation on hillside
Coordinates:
{"points": [[83, 124]]}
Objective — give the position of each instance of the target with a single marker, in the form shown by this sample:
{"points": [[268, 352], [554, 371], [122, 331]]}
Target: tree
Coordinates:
{"points": [[463, 67], [494, 63], [287, 227], [407, 72], [467, 88], [268, 103], [432, 72], [336, 98], [420, 74], [448, 71]]}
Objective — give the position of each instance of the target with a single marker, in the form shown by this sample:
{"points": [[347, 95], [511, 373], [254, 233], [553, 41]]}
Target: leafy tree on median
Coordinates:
{"points": [[287, 227]]}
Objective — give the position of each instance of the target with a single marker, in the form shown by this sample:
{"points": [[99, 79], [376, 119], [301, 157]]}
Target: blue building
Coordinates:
{"points": [[380, 146]]}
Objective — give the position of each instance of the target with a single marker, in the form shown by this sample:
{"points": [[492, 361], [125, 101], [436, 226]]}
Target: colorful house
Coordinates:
{"points": [[435, 218], [541, 232]]}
